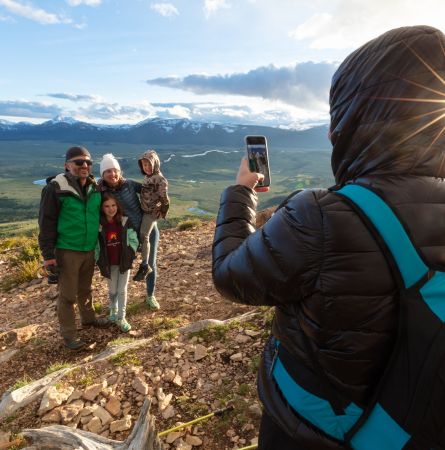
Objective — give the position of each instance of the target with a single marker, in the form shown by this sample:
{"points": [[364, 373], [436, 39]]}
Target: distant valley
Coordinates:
{"points": [[199, 159]]}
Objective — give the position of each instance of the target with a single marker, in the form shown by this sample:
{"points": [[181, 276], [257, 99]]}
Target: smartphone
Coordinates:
{"points": [[258, 158]]}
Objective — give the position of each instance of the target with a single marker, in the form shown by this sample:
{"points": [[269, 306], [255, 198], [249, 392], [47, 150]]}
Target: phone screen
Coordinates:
{"points": [[258, 157]]}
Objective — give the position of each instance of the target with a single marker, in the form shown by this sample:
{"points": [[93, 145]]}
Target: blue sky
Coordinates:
{"points": [[231, 61]]}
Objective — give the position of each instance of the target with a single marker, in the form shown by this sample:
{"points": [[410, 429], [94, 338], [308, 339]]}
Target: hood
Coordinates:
{"points": [[153, 157], [387, 106]]}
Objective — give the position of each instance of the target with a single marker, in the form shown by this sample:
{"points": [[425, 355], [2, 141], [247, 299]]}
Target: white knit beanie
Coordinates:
{"points": [[108, 162]]}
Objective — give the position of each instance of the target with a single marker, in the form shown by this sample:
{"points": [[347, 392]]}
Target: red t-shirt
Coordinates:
{"points": [[113, 238]]}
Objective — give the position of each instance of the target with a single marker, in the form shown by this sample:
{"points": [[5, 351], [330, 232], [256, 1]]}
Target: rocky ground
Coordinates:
{"points": [[186, 374]]}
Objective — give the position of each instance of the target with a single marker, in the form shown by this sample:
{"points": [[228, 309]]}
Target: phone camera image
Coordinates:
{"points": [[258, 157]]}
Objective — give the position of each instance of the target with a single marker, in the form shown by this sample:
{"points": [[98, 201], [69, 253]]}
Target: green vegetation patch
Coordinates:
{"points": [[168, 335], [57, 366], [24, 381], [167, 323], [120, 341], [189, 224], [126, 358], [215, 332], [25, 260]]}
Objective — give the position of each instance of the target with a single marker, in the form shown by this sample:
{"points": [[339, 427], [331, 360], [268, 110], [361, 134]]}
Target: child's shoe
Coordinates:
{"points": [[124, 326], [113, 315], [152, 303], [142, 273]]}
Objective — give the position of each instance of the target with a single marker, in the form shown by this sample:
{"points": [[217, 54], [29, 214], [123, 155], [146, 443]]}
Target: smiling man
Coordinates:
{"points": [[69, 224]]}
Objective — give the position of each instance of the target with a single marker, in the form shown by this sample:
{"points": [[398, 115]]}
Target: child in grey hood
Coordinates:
{"points": [[154, 204]]}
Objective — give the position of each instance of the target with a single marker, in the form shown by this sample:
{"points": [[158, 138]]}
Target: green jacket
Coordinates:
{"points": [[69, 215]]}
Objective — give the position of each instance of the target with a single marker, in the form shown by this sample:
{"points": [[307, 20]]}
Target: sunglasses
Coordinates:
{"points": [[81, 162]]}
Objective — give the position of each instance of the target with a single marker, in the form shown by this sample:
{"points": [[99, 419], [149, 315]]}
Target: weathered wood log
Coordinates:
{"points": [[207, 323], [143, 436], [14, 400]]}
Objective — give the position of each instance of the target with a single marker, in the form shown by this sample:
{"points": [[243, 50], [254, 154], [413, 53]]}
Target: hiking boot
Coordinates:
{"points": [[124, 326], [98, 322], [113, 315], [74, 344], [142, 273], [152, 303]]}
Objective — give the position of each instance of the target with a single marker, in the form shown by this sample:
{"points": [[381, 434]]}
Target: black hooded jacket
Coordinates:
{"points": [[315, 260]]}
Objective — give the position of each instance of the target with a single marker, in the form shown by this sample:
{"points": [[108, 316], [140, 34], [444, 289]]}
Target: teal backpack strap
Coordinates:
{"points": [[410, 264]]}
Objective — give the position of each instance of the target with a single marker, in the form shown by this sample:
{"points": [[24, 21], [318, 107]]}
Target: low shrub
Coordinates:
{"points": [[189, 224]]}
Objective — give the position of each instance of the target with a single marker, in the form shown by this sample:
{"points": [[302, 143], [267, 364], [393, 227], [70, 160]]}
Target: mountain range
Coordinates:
{"points": [[162, 131]]}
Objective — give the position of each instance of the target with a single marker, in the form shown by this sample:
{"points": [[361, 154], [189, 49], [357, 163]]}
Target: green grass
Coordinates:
{"points": [[168, 335], [166, 323], [188, 224], [25, 260], [136, 308], [87, 379], [120, 341], [255, 363], [23, 228], [127, 358], [57, 366], [215, 332], [24, 381]]}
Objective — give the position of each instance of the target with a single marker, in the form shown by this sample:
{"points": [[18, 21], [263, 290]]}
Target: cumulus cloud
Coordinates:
{"points": [[164, 9], [305, 84], [258, 112], [74, 97], [84, 2], [349, 24], [21, 108], [115, 113], [212, 6], [33, 13]]}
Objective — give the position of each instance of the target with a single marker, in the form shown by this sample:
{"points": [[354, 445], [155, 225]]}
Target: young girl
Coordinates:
{"points": [[115, 252], [154, 203]]}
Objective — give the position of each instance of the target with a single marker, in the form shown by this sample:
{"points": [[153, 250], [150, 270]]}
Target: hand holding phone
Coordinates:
{"points": [[247, 178], [258, 160]]}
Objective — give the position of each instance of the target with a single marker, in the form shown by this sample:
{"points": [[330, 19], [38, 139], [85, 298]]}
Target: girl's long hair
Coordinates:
{"points": [[119, 213]]}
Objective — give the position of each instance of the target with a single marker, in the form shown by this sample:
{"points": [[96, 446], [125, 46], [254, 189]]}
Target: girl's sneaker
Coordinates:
{"points": [[152, 303], [113, 315], [124, 326]]}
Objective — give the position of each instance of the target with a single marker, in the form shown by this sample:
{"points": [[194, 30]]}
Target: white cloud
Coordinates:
{"points": [[75, 97], [211, 6], [257, 112], [23, 108], [104, 112], [164, 9], [180, 111], [305, 84], [33, 13], [84, 2], [350, 24]]}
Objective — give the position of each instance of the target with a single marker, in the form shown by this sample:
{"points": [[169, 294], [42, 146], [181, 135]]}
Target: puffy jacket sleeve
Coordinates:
{"points": [[48, 219], [274, 265]]}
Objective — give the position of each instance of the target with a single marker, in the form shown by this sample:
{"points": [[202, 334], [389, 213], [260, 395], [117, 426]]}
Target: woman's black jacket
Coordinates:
{"points": [[315, 261]]}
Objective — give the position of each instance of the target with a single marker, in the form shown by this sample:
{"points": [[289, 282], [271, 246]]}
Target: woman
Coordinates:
{"points": [[126, 191], [336, 301]]}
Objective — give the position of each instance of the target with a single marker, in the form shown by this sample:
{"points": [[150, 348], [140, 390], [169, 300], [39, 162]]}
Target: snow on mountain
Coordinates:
{"points": [[63, 119]]}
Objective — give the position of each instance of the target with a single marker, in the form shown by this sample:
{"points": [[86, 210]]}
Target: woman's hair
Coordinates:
{"points": [[119, 213]]}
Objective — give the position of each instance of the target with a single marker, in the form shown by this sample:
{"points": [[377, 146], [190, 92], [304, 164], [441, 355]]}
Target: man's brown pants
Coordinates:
{"points": [[75, 278]]}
